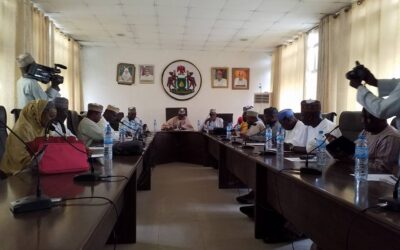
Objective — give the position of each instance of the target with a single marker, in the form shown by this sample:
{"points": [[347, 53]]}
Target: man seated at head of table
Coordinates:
{"points": [[312, 118], [132, 123], [58, 127], [32, 123], [383, 144], [255, 126], [179, 122], [89, 129], [110, 115], [295, 130], [213, 121]]}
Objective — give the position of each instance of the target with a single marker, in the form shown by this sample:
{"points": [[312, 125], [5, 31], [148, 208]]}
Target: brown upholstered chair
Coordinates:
{"points": [[73, 120], [3, 130], [227, 117], [350, 124], [171, 112]]}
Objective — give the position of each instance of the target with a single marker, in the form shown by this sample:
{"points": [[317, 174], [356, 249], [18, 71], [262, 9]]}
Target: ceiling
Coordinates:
{"points": [[205, 25]]}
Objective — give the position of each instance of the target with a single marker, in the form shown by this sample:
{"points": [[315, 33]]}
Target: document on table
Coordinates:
{"points": [[297, 159], [255, 143], [388, 178]]}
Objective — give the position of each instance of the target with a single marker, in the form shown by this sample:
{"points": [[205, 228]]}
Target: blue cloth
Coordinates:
{"points": [[285, 113]]}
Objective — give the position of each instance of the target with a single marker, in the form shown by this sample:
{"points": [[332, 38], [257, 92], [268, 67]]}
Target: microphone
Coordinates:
{"points": [[35, 202], [314, 171], [392, 203]]}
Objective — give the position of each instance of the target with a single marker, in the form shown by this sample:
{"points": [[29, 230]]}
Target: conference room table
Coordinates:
{"points": [[87, 223], [332, 209]]}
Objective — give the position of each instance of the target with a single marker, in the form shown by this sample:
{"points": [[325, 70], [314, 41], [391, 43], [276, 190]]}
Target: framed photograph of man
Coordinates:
{"points": [[219, 77], [146, 73], [125, 73], [240, 78]]}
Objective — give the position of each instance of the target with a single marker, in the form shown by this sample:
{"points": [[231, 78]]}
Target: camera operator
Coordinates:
{"points": [[28, 89], [376, 105]]}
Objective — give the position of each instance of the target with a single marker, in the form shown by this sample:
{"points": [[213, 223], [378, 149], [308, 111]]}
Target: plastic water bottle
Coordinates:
{"points": [[155, 125], [280, 138], [229, 131], [321, 149], [361, 158], [108, 148], [268, 138], [122, 134]]}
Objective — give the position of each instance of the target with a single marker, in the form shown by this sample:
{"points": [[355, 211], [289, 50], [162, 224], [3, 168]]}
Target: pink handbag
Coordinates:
{"points": [[60, 155]]}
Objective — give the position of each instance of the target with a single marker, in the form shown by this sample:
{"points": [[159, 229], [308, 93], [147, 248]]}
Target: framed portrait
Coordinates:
{"points": [[125, 73], [219, 77], [240, 78], [146, 73], [181, 80]]}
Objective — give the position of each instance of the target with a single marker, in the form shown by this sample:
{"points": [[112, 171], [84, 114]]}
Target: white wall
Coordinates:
{"points": [[99, 83]]}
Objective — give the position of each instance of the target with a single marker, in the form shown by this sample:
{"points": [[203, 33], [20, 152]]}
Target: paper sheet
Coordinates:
{"points": [[297, 159]]}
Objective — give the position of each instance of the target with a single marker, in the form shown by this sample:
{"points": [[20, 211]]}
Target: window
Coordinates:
{"points": [[310, 86]]}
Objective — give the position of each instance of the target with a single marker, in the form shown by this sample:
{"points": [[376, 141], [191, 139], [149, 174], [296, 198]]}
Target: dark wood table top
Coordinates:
{"points": [[62, 227], [336, 182]]}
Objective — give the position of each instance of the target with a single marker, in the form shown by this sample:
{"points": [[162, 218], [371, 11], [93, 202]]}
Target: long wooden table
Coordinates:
{"points": [[332, 209], [79, 224]]}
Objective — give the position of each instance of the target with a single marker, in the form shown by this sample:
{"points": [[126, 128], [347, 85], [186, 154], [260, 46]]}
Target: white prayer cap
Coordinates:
{"points": [[213, 111], [95, 107], [112, 108], [132, 109], [24, 60], [252, 113], [182, 112]]}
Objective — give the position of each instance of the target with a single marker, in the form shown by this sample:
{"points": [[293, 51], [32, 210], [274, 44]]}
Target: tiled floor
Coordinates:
{"points": [[186, 210]]}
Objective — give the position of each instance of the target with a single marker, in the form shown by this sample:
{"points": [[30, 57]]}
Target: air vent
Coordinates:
{"points": [[262, 98]]}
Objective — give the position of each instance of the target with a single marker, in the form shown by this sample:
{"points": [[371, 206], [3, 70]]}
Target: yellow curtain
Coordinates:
{"points": [[288, 74], [369, 33], [67, 52], [23, 28]]}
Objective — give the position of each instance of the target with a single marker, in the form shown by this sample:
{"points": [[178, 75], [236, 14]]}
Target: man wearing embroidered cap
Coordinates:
{"points": [[131, 123], [110, 115], [255, 126], [28, 89], [295, 130], [179, 122], [311, 113], [213, 121], [58, 127], [89, 130]]}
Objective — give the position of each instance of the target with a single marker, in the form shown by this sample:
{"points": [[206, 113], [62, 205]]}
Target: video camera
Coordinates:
{"points": [[358, 72], [45, 74]]}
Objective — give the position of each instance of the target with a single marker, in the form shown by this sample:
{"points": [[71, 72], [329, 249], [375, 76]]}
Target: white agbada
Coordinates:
{"points": [[218, 123], [298, 135], [58, 128], [89, 131], [29, 90], [255, 128], [326, 126]]}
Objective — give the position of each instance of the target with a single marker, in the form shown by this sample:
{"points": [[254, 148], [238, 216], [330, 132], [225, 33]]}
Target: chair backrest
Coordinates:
{"points": [[350, 124], [330, 116], [227, 117], [73, 120], [3, 130], [171, 112], [16, 113]]}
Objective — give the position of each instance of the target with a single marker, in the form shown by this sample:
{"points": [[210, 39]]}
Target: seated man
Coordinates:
{"points": [[132, 123], [110, 115], [255, 126], [311, 113], [383, 143], [242, 118], [213, 121], [271, 119], [295, 130], [58, 127], [180, 122], [89, 129]]}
